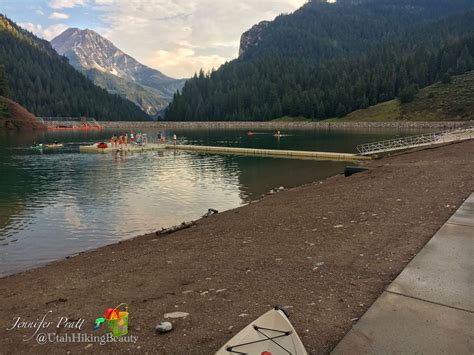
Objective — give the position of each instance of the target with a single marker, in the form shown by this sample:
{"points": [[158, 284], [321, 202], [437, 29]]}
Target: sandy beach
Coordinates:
{"points": [[324, 251]]}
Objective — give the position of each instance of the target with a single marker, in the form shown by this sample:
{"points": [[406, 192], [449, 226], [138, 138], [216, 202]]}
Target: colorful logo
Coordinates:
{"points": [[116, 319]]}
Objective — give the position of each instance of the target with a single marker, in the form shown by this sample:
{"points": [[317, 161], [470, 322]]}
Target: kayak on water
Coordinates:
{"points": [[271, 334], [37, 146], [54, 145]]}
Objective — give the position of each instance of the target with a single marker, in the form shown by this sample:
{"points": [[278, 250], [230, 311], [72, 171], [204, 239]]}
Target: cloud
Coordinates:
{"points": [[182, 36], [39, 12], [58, 16], [183, 61], [45, 32], [66, 4]]}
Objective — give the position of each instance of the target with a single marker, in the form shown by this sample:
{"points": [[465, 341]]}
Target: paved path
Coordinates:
{"points": [[429, 308]]}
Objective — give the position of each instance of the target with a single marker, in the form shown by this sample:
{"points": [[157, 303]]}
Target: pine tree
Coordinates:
{"points": [[4, 91]]}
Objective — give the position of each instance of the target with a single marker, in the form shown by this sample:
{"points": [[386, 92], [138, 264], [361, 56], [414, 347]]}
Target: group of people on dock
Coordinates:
{"points": [[118, 141], [162, 139]]}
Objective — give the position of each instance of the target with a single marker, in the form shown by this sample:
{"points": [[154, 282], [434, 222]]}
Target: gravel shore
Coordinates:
{"points": [[325, 251]]}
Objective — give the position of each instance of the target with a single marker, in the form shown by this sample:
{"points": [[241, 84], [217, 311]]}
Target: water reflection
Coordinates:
{"points": [[59, 202]]}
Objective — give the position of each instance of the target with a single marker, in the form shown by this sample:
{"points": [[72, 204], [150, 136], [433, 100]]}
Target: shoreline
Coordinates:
{"points": [[325, 250], [443, 125]]}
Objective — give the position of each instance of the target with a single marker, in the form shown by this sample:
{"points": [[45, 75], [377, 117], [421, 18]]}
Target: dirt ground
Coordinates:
{"points": [[325, 251]]}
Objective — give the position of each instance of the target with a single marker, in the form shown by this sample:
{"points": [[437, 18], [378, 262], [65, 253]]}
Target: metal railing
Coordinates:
{"points": [[415, 141]]}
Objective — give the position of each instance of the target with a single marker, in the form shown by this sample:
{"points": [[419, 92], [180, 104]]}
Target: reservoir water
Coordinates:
{"points": [[58, 202]]}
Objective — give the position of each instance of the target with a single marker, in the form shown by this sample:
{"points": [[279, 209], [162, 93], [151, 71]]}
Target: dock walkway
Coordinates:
{"points": [[429, 308], [294, 154]]}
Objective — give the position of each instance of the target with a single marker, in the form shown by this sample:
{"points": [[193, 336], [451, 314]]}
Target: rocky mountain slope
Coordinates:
{"points": [[252, 37], [116, 71]]}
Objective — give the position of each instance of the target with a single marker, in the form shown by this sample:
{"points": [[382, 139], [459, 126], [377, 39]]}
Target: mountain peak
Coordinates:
{"points": [[86, 49], [91, 53]]}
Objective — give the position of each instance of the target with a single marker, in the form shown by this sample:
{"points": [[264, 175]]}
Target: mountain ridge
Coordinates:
{"points": [[328, 59], [114, 70], [47, 85]]}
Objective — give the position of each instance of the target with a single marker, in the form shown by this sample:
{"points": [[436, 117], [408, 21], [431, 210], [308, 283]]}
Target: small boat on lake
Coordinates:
{"points": [[37, 146], [54, 145]]}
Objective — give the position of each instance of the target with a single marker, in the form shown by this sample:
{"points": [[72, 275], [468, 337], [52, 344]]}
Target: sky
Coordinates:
{"points": [[177, 37]]}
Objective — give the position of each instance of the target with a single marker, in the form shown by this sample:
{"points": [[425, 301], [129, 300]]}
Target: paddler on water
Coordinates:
{"points": [[277, 134]]}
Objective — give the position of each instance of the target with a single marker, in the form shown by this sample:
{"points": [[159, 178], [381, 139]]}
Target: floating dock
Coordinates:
{"points": [[295, 154], [292, 154], [131, 148]]}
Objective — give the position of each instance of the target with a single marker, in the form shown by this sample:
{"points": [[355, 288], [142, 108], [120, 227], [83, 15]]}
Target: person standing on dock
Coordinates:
{"points": [[112, 141], [115, 141], [120, 141], [125, 139], [132, 136], [159, 137], [174, 138]]}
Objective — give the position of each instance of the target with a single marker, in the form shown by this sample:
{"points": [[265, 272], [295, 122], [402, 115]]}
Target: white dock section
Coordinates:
{"points": [[423, 140], [295, 154]]}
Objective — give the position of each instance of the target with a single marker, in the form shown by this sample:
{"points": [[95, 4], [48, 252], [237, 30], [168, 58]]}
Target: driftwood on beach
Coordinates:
{"points": [[178, 227], [184, 225]]}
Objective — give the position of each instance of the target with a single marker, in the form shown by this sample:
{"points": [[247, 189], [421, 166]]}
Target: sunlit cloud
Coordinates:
{"points": [[66, 4], [58, 16], [183, 61], [177, 37], [154, 31], [47, 32]]}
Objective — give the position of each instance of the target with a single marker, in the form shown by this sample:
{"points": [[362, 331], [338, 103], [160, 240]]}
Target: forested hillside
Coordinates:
{"points": [[4, 111], [451, 99], [327, 60], [44, 82]]}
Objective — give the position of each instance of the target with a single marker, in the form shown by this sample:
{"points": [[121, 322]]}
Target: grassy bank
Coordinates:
{"points": [[452, 101]]}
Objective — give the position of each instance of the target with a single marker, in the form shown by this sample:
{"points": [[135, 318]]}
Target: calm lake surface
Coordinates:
{"points": [[59, 202]]}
